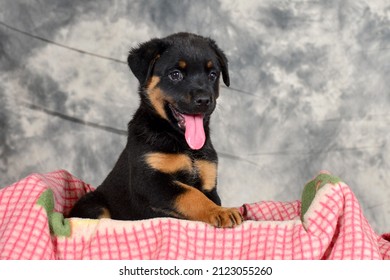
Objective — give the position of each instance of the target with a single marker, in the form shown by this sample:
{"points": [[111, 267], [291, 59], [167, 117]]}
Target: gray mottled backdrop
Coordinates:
{"points": [[310, 90]]}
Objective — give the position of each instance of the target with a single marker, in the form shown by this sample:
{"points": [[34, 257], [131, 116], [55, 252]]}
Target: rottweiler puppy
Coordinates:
{"points": [[169, 166]]}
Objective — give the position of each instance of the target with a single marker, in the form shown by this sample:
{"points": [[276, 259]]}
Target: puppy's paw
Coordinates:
{"points": [[225, 217]]}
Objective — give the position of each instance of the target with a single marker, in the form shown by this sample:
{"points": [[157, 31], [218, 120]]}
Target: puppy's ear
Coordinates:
{"points": [[142, 59], [222, 61]]}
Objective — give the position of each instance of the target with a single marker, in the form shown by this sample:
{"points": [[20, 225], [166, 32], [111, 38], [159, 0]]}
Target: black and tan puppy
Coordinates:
{"points": [[169, 166]]}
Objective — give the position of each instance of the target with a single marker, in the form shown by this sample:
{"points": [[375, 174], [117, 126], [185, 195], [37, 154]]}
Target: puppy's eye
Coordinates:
{"points": [[213, 76], [175, 76]]}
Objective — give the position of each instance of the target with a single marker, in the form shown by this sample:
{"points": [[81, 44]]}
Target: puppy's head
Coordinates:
{"points": [[179, 80]]}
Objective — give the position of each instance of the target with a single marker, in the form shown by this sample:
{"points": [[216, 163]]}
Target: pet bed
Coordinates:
{"points": [[327, 223]]}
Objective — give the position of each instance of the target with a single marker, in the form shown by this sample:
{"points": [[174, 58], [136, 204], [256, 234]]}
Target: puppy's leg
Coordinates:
{"points": [[92, 206], [194, 205]]}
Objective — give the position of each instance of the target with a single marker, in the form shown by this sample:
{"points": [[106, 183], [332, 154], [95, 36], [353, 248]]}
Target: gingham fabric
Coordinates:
{"points": [[333, 228]]}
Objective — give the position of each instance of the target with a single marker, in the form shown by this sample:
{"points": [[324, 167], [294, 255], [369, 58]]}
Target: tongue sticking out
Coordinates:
{"points": [[194, 133]]}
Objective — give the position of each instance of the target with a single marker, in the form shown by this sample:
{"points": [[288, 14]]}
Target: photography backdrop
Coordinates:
{"points": [[310, 90]]}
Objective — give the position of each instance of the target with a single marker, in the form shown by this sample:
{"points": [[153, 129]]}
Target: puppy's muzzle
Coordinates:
{"points": [[202, 101]]}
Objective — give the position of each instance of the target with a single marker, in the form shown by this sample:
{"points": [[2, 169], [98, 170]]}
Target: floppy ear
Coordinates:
{"points": [[142, 59], [222, 61]]}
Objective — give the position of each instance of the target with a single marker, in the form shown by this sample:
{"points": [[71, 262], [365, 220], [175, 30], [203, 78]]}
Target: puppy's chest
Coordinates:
{"points": [[184, 168]]}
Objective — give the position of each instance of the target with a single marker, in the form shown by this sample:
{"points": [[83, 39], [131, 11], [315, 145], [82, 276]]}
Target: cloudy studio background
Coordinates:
{"points": [[310, 90]]}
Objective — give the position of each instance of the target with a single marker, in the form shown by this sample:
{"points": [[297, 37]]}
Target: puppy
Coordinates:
{"points": [[169, 166]]}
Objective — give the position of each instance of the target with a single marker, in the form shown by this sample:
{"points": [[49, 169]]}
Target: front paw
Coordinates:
{"points": [[225, 217]]}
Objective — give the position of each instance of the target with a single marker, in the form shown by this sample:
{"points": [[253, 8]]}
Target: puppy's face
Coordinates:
{"points": [[181, 81]]}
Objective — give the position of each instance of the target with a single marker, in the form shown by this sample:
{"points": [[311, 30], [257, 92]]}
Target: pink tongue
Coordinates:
{"points": [[194, 134]]}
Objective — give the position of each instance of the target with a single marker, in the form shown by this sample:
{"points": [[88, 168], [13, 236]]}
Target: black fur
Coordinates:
{"points": [[133, 189]]}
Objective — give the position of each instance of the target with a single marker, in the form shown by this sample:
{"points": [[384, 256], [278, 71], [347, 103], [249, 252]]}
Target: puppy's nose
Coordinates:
{"points": [[202, 101]]}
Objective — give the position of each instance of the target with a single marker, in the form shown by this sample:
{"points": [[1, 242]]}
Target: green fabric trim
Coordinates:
{"points": [[59, 226], [310, 190]]}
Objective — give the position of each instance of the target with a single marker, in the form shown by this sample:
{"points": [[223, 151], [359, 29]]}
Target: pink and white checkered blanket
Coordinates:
{"points": [[327, 223]]}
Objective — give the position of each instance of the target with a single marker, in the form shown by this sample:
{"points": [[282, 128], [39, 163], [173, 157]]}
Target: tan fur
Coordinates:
{"points": [[153, 82], [169, 163], [194, 205], [105, 214], [156, 96], [182, 64], [208, 173]]}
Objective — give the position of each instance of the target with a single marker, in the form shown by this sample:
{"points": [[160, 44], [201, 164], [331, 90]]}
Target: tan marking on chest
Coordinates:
{"points": [[169, 163], [208, 173]]}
